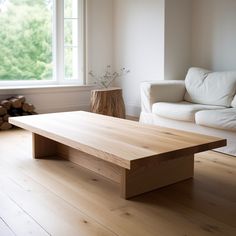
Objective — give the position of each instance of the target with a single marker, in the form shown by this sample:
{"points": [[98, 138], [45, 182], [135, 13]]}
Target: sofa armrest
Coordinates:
{"points": [[161, 91]]}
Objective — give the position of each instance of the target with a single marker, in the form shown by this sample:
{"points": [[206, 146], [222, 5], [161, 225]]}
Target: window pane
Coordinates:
{"points": [[71, 39], [71, 8], [71, 63], [71, 32], [26, 40]]}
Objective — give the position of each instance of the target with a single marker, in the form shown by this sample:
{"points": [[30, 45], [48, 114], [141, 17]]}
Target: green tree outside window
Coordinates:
{"points": [[26, 40]]}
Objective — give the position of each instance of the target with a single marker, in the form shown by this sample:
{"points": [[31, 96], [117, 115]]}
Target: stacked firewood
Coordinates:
{"points": [[14, 106]]}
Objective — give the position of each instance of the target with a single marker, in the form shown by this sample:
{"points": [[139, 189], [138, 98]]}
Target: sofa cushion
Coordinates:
{"points": [[233, 104], [219, 119], [183, 111], [210, 88]]}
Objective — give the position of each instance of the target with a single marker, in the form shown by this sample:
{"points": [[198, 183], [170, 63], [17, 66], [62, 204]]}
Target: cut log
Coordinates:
{"points": [[1, 121], [5, 126], [3, 111], [27, 107], [108, 102], [15, 102], [6, 104], [15, 112], [13, 107], [21, 98], [6, 117]]}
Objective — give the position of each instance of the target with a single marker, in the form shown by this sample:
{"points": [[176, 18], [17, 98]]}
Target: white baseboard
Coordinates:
{"points": [[84, 107], [132, 110], [51, 100]]}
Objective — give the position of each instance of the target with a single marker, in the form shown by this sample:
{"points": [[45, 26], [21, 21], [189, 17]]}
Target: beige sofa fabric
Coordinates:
{"points": [[210, 88], [161, 91], [183, 111], [202, 103], [219, 119], [150, 118], [233, 104]]}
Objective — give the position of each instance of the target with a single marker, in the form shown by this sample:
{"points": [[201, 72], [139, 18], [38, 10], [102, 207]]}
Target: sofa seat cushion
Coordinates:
{"points": [[183, 111], [219, 119], [233, 104], [210, 88]]}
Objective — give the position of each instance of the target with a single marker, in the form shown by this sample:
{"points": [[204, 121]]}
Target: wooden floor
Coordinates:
{"points": [[46, 197]]}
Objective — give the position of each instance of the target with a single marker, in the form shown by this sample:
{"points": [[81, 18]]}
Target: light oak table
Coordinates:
{"points": [[139, 157]]}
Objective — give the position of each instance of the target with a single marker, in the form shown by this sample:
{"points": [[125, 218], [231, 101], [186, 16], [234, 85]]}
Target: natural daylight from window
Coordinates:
{"points": [[38, 42]]}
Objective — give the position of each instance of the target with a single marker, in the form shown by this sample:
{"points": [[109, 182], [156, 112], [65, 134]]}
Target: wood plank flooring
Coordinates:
{"points": [[53, 197]]}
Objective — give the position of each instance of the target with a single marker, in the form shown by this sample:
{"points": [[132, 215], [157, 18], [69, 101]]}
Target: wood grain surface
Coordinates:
{"points": [[121, 142], [56, 197]]}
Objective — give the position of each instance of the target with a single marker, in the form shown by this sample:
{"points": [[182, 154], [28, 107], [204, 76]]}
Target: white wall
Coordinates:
{"points": [[178, 24], [199, 33], [138, 33], [99, 18], [161, 39], [47, 100], [155, 39], [99, 34], [214, 34]]}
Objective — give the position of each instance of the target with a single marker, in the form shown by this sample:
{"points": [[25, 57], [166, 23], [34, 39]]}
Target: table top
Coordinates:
{"points": [[119, 141]]}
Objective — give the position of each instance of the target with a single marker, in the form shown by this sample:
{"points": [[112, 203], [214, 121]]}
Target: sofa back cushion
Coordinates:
{"points": [[210, 88], [233, 104]]}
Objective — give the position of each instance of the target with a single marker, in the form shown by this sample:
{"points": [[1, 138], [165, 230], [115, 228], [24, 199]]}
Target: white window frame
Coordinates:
{"points": [[58, 51]]}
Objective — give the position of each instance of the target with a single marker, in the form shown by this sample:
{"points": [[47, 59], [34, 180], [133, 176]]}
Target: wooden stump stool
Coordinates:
{"points": [[108, 102]]}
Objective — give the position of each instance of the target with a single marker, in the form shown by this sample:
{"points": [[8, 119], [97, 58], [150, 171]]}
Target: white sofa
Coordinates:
{"points": [[205, 102]]}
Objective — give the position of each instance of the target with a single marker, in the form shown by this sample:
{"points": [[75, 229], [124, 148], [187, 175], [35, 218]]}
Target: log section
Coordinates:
{"points": [[108, 102], [14, 106]]}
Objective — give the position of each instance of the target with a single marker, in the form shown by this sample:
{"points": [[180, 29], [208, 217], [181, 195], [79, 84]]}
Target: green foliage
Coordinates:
{"points": [[28, 2], [26, 41]]}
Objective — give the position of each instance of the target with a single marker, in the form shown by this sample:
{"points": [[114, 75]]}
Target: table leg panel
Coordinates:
{"points": [[42, 147], [153, 175], [92, 163]]}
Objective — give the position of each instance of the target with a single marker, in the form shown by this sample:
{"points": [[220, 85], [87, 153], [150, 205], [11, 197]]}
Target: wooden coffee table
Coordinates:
{"points": [[139, 157]]}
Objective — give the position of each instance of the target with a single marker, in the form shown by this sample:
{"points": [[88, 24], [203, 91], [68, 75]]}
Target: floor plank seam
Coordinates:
{"points": [[7, 226], [68, 203], [200, 212], [31, 217]]}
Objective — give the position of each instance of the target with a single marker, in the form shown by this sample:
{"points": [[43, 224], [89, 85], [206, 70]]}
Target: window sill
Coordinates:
{"points": [[44, 89]]}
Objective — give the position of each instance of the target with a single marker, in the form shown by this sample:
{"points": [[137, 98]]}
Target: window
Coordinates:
{"points": [[41, 42]]}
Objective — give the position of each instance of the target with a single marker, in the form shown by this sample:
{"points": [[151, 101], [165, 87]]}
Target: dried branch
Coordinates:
{"points": [[106, 79]]}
